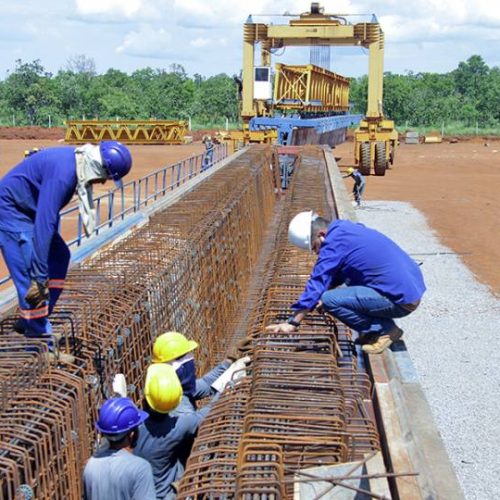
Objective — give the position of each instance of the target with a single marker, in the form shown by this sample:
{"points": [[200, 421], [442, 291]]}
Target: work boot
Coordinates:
{"points": [[383, 341], [366, 338], [59, 357]]}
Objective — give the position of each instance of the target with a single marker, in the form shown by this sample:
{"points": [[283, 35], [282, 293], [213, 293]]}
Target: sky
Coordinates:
{"points": [[205, 36]]}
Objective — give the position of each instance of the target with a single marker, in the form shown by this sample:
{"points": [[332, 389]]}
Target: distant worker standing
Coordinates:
{"points": [[113, 472], [31, 197], [382, 281], [359, 184], [208, 159]]}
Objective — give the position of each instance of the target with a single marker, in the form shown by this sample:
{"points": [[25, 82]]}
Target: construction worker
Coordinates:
{"points": [[382, 281], [113, 472], [359, 184], [31, 196], [175, 349], [165, 439], [208, 159]]}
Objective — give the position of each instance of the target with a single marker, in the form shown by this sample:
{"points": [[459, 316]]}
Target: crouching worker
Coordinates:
{"points": [[175, 349], [113, 472], [165, 439], [382, 281]]}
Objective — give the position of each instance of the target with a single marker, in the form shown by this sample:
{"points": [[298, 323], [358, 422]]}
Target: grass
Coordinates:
{"points": [[458, 129]]}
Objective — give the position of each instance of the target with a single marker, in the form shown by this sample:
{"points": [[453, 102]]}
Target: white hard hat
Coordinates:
{"points": [[299, 230]]}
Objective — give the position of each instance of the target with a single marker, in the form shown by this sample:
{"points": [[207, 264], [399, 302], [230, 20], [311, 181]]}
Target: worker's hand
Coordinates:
{"points": [[38, 294], [243, 347], [281, 328], [120, 385]]}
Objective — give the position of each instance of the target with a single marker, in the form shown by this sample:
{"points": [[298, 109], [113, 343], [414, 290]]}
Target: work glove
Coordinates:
{"points": [[120, 385], [233, 373], [38, 294], [243, 347]]}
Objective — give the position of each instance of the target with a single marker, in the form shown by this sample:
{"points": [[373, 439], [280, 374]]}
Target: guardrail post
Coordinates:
{"points": [[111, 202], [178, 174], [191, 167], [172, 177], [98, 216]]}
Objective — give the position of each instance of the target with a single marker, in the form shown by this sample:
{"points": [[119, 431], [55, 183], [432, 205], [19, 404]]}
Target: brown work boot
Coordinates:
{"points": [[366, 338], [59, 357], [383, 341]]}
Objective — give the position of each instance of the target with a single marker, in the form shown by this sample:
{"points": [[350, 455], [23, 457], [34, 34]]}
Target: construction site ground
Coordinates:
{"points": [[455, 185]]}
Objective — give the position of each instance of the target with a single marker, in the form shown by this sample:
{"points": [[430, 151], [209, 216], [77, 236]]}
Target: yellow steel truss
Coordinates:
{"points": [[310, 88], [126, 131]]}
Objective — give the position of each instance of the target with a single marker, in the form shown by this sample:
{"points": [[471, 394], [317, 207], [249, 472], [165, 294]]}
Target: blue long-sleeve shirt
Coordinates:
{"points": [[359, 256], [165, 441], [358, 177], [31, 197]]}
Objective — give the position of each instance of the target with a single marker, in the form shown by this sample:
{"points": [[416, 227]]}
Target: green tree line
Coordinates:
{"points": [[29, 95], [468, 96]]}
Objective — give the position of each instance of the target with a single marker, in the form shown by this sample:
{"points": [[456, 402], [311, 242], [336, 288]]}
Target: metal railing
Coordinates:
{"points": [[119, 203]]}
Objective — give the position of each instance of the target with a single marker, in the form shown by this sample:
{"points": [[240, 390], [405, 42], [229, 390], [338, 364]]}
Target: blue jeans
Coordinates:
{"points": [[17, 250], [362, 309]]}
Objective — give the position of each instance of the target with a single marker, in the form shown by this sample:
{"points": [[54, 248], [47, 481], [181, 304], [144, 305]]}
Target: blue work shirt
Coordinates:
{"points": [[359, 179], [117, 475], [31, 197], [165, 441], [359, 256]]}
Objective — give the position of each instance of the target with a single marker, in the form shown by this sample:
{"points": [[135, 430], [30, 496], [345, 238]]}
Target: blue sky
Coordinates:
{"points": [[205, 36]]}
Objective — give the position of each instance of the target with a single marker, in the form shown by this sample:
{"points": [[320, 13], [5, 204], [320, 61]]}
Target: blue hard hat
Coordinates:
{"points": [[119, 415], [116, 159]]}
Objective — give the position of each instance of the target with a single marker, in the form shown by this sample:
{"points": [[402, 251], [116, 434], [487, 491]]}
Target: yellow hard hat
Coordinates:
{"points": [[350, 170], [26, 152], [171, 345], [163, 389]]}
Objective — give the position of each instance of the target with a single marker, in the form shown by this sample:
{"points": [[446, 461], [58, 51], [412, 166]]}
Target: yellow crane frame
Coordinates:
{"points": [[126, 131], [376, 138], [310, 88]]}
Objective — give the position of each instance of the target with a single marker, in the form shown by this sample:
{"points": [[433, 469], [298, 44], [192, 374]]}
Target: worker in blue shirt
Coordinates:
{"points": [[114, 472], [359, 184], [165, 438], [175, 349], [31, 197], [208, 158], [382, 281]]}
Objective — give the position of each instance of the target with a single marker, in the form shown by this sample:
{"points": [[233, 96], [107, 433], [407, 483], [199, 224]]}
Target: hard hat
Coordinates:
{"points": [[171, 345], [299, 230], [26, 152], [119, 415], [116, 159], [163, 389], [350, 170]]}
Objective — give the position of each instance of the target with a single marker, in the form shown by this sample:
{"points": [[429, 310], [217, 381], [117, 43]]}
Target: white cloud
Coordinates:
{"points": [[200, 42], [148, 42], [114, 8]]}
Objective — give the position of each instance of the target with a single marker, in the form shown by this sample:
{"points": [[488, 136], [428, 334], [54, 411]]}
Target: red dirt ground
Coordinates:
{"points": [[456, 186]]}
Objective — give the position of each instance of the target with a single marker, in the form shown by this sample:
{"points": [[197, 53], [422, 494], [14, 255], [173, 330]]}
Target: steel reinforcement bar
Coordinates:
{"points": [[187, 269], [304, 401]]}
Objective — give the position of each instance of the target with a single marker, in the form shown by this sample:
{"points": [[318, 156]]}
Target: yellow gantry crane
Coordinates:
{"points": [[376, 138]]}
